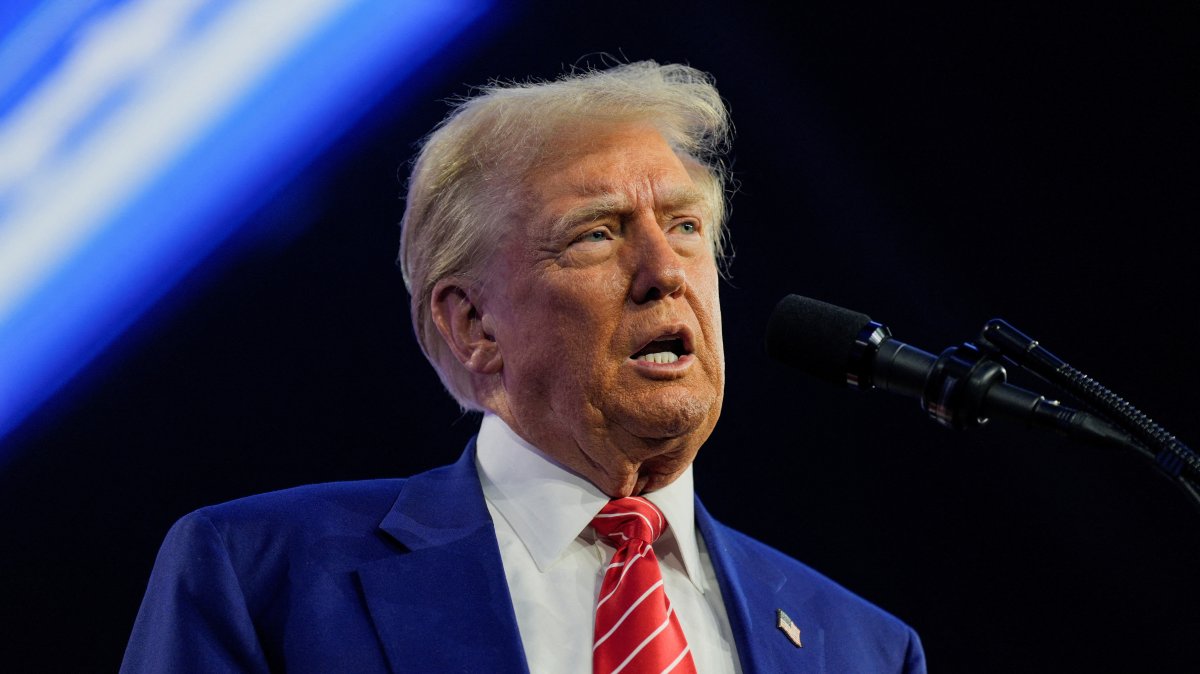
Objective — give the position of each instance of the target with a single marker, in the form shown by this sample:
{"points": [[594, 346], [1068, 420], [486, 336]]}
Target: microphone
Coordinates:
{"points": [[959, 388], [841, 346]]}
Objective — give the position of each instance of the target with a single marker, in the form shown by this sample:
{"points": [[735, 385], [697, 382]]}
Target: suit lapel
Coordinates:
{"points": [[753, 588], [442, 602]]}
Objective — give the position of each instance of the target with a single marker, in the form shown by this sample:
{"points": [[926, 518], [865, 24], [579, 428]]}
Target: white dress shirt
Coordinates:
{"points": [[542, 513]]}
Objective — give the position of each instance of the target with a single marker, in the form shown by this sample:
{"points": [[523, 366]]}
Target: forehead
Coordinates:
{"points": [[630, 164]]}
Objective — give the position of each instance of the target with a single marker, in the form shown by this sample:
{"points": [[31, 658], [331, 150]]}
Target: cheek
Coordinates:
{"points": [[718, 332], [562, 330], [706, 289], [588, 306], [709, 310], [592, 287]]}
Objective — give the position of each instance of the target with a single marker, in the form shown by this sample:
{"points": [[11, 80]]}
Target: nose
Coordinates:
{"points": [[659, 271]]}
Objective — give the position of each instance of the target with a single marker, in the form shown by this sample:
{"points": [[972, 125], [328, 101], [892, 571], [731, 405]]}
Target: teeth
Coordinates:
{"points": [[662, 357]]}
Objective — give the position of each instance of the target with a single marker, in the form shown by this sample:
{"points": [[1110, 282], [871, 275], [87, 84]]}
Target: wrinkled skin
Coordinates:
{"points": [[611, 254]]}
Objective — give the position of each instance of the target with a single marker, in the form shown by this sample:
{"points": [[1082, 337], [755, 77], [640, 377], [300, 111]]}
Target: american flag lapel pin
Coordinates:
{"points": [[785, 625]]}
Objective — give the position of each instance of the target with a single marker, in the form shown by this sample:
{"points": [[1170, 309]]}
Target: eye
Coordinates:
{"points": [[594, 236], [689, 227]]}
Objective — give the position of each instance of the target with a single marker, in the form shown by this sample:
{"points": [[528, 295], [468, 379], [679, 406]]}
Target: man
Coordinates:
{"points": [[561, 244]]}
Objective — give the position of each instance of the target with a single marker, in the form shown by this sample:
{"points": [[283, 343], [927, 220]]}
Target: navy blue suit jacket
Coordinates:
{"points": [[310, 580]]}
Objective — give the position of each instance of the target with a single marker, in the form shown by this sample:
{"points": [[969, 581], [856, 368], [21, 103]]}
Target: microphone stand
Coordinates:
{"points": [[966, 385], [1140, 433]]}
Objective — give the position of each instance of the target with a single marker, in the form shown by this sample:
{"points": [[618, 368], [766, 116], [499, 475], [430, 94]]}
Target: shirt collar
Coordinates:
{"points": [[549, 506]]}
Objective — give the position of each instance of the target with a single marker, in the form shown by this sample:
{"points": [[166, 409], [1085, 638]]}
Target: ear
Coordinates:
{"points": [[467, 329]]}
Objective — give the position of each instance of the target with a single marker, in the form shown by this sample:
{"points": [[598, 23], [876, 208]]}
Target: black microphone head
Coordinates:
{"points": [[814, 336]]}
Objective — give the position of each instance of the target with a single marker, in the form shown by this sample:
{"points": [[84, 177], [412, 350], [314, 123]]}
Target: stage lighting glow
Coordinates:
{"points": [[132, 154]]}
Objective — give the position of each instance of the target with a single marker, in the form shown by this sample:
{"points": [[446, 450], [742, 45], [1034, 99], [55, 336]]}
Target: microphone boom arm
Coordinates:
{"points": [[963, 388], [966, 385], [1170, 453]]}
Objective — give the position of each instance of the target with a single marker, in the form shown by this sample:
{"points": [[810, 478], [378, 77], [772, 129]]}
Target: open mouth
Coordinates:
{"points": [[662, 350]]}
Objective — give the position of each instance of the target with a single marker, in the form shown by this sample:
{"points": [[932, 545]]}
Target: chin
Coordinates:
{"points": [[673, 414]]}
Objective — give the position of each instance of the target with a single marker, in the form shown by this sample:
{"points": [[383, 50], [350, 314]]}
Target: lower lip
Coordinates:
{"points": [[664, 369]]}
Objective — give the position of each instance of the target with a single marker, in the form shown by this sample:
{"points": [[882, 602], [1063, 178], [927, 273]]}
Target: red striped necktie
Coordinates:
{"points": [[636, 631]]}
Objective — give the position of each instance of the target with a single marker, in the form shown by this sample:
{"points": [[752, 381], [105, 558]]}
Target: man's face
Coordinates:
{"points": [[603, 303]]}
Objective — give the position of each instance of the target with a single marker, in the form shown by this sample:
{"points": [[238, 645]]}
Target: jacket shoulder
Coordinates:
{"points": [[314, 504], [815, 583], [233, 581], [856, 634], [320, 526]]}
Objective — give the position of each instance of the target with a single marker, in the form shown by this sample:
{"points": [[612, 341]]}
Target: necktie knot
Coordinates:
{"points": [[628, 519]]}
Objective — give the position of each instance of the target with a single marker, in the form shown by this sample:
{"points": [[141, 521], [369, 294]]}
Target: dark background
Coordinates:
{"points": [[932, 167]]}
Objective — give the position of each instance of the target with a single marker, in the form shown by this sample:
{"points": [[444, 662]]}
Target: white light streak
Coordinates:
{"points": [[182, 84]]}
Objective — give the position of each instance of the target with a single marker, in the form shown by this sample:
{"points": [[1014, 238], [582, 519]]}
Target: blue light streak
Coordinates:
{"points": [[174, 217]]}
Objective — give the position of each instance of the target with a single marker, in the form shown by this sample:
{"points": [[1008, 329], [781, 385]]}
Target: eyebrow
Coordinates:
{"points": [[609, 202]]}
